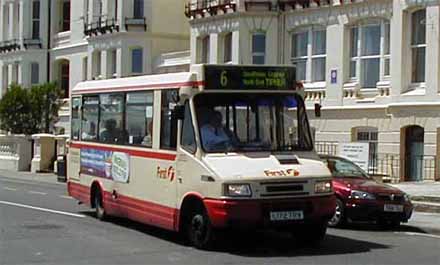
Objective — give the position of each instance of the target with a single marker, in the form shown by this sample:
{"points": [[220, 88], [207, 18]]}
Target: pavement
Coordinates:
{"points": [[424, 195]]}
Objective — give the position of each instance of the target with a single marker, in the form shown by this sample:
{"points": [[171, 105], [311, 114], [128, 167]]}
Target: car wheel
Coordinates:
{"points": [[199, 229], [338, 218]]}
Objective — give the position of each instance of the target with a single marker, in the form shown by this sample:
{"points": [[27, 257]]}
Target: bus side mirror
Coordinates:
{"points": [[317, 110], [178, 112]]}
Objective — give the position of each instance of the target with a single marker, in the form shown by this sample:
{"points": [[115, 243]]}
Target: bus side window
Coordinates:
{"points": [[168, 125], [139, 118], [89, 126], [188, 141], [76, 118], [111, 128]]}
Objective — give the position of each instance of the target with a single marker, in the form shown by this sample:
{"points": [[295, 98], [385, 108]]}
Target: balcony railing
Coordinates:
{"points": [[27, 43], [293, 4], [135, 22], [9, 46], [209, 6], [101, 27]]}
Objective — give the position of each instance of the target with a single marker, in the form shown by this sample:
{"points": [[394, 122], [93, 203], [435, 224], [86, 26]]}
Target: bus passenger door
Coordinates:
{"points": [[187, 165]]}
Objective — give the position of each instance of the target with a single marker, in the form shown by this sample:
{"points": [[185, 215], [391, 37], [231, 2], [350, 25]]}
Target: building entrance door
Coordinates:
{"points": [[414, 142]]}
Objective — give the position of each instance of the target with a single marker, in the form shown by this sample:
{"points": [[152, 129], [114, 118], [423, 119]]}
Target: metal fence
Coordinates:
{"points": [[418, 168]]}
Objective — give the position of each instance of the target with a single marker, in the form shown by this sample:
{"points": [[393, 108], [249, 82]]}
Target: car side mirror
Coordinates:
{"points": [[178, 112], [317, 110]]}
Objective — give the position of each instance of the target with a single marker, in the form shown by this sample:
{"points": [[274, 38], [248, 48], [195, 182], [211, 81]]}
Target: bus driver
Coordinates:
{"points": [[214, 135]]}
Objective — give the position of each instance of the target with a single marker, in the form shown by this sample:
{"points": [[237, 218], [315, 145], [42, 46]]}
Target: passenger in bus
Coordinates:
{"points": [[110, 134], [91, 133], [148, 138], [214, 135]]}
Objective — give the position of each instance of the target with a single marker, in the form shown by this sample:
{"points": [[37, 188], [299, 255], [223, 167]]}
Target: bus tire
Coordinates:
{"points": [[99, 208], [199, 230]]}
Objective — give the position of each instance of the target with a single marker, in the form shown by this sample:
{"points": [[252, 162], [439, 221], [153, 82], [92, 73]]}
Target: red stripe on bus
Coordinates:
{"points": [[139, 210], [139, 87], [139, 153]]}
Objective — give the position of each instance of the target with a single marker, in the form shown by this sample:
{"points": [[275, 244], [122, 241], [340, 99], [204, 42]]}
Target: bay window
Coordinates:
{"points": [[369, 53], [309, 54], [418, 45]]}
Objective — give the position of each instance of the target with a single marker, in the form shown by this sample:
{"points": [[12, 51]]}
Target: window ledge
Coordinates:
{"points": [[415, 92], [315, 85]]}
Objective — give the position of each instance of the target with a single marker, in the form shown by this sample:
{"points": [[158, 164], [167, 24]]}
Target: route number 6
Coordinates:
{"points": [[223, 79]]}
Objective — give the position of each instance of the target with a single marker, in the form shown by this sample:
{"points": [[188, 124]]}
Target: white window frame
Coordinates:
{"points": [[384, 39], [258, 54], [414, 47], [309, 55]]}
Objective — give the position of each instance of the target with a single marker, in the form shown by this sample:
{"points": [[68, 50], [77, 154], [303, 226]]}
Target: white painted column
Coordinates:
{"points": [[432, 50], [2, 10], [105, 68], [11, 20], [235, 47], [213, 48], [123, 62], [400, 30], [11, 74], [90, 63], [337, 46], [121, 13], [193, 47]]}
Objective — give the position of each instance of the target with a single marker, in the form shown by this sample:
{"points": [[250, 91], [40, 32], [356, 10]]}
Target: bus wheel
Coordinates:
{"points": [[199, 229], [99, 208]]}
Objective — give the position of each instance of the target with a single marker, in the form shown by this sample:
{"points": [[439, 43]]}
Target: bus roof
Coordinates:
{"points": [[145, 82]]}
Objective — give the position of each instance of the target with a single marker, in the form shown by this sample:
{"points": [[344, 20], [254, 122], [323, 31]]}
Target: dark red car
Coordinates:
{"points": [[361, 198]]}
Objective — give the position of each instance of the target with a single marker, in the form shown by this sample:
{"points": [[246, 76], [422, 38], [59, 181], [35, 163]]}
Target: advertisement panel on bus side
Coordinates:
{"points": [[105, 164]]}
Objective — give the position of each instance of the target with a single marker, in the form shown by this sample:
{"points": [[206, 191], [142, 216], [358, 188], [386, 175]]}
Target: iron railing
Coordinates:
{"points": [[101, 27], [9, 46], [389, 166], [210, 6]]}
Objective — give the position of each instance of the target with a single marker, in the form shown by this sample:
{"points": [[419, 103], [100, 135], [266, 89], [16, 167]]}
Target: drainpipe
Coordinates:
{"points": [[49, 39]]}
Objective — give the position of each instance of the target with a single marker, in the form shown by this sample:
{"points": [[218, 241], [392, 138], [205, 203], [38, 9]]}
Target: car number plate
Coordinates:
{"points": [[393, 208], [286, 215]]}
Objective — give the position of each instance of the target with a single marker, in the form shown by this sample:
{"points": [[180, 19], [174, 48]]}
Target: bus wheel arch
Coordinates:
{"points": [[96, 200], [195, 224]]}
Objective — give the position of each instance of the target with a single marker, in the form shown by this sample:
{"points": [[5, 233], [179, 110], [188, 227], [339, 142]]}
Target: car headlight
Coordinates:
{"points": [[238, 190], [362, 195], [407, 198], [323, 186]]}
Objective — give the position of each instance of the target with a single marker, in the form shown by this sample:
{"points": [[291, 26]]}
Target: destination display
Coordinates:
{"points": [[249, 77]]}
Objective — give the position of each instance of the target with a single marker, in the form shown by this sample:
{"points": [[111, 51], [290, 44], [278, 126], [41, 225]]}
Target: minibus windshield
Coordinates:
{"points": [[249, 122]]}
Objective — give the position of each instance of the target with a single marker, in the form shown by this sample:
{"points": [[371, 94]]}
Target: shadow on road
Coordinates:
{"points": [[259, 243]]}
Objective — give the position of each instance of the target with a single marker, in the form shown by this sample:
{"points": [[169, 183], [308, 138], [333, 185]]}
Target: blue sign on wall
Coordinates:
{"points": [[333, 76]]}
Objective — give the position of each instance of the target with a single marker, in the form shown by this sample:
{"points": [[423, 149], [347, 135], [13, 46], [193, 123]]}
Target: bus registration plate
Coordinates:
{"points": [[286, 215]]}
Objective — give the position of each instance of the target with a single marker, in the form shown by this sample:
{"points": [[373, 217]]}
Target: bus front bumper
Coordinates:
{"points": [[260, 213]]}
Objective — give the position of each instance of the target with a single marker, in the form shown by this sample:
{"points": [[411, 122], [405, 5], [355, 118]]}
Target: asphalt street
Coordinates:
{"points": [[39, 224]]}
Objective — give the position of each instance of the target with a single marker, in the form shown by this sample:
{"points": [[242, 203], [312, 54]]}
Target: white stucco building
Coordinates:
{"points": [[373, 65], [69, 41]]}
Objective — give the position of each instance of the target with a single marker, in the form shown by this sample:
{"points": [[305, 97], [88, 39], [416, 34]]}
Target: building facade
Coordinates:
{"points": [[69, 41], [374, 66]]}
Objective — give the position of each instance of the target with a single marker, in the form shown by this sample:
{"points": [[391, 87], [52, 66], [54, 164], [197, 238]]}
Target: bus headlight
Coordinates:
{"points": [[323, 186], [238, 190]]}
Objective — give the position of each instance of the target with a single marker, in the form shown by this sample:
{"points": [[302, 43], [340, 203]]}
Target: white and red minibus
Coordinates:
{"points": [[218, 147]]}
